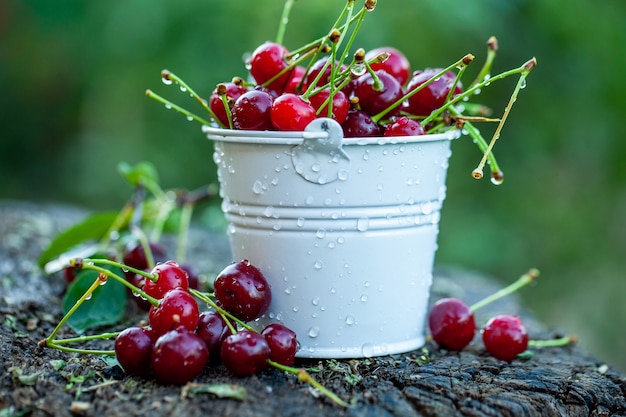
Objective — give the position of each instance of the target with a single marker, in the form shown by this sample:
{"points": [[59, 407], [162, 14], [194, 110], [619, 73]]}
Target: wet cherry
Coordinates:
{"points": [[359, 124], [432, 96], [505, 337], [178, 308], [213, 330], [282, 342], [374, 97], [245, 353], [232, 92], [396, 65], [251, 111], [268, 60], [242, 290], [169, 276], [451, 324], [179, 356], [340, 105], [403, 126], [133, 350], [290, 112]]}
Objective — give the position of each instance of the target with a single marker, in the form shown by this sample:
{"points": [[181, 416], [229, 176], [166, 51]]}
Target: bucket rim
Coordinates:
{"points": [[271, 137]]}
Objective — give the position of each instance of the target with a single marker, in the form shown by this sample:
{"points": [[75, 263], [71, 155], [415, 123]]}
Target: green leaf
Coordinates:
{"points": [[106, 305], [92, 228], [144, 173], [234, 392]]}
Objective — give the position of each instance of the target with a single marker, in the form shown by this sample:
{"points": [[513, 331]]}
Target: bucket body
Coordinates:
{"points": [[349, 257]]}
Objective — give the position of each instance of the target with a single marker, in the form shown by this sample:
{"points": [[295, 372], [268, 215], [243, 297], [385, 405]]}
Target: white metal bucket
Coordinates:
{"points": [[345, 231]]}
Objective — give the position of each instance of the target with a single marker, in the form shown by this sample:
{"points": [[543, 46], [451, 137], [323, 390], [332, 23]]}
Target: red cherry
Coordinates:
{"points": [[133, 350], [179, 356], [340, 105], [376, 97], [293, 86], [139, 281], [316, 68], [251, 111], [282, 342], [245, 353], [505, 337], [135, 256], [268, 60], [169, 276], [178, 308], [403, 126], [359, 124], [213, 330], [291, 112], [396, 65], [451, 324], [233, 92], [433, 95], [242, 290]]}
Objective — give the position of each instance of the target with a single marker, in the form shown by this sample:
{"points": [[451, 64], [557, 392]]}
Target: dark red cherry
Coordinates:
{"points": [[359, 124], [233, 92], [340, 105], [133, 350], [251, 111], [213, 330], [245, 353], [179, 356], [375, 97], [291, 112], [505, 337], [403, 126], [451, 324], [282, 342], [135, 256], [432, 96], [178, 308], [169, 276], [268, 60], [242, 290], [396, 65]]}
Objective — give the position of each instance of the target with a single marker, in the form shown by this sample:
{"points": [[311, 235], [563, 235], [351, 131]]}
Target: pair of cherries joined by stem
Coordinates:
{"points": [[452, 325]]}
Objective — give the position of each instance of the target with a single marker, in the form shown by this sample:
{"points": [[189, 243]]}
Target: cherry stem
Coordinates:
{"points": [[207, 299], [558, 342], [521, 83], [376, 118], [305, 376], [485, 71], [521, 282], [145, 245], [169, 105], [284, 19], [227, 110], [167, 75], [89, 263]]}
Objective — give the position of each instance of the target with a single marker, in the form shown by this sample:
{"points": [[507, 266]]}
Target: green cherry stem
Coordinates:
{"points": [[466, 60], [521, 83], [558, 342], [485, 71], [207, 299], [284, 20], [170, 76], [304, 376], [521, 282], [169, 105]]}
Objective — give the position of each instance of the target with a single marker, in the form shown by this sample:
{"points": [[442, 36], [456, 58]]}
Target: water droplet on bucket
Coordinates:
{"points": [[314, 332], [349, 320], [315, 301], [300, 222], [364, 298], [363, 224], [317, 265], [321, 233], [257, 187]]}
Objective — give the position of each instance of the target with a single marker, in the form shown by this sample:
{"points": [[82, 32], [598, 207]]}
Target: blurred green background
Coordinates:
{"points": [[72, 104]]}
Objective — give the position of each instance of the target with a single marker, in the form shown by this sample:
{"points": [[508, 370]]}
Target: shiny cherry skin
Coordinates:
{"points": [[290, 112], [233, 92], [432, 96], [241, 289], [451, 324], [396, 65], [293, 86], [169, 276], [133, 350], [340, 105], [245, 353], [505, 337], [268, 60], [403, 126], [251, 111], [282, 342], [316, 68], [179, 356], [178, 308], [359, 124], [375, 97], [213, 330]]}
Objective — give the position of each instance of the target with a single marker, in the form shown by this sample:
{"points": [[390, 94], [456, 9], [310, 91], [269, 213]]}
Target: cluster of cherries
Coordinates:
{"points": [[180, 340], [373, 96]]}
